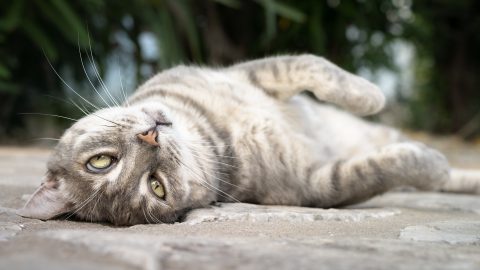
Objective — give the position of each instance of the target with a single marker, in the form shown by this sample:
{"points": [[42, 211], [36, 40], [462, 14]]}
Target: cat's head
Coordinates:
{"points": [[124, 165]]}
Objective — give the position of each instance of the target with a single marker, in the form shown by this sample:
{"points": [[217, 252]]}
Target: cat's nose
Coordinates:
{"points": [[149, 136]]}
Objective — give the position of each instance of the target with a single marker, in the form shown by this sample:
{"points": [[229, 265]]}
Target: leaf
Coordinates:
{"points": [[187, 21], [40, 39], [229, 3], [7, 87], [73, 29], [270, 22], [273, 8], [283, 10], [4, 72], [316, 31], [13, 17], [169, 45], [288, 12]]}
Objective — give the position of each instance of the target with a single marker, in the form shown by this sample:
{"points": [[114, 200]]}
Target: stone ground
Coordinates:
{"points": [[399, 230]]}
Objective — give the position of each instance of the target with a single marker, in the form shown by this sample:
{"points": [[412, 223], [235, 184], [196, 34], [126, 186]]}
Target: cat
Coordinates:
{"points": [[191, 136]]}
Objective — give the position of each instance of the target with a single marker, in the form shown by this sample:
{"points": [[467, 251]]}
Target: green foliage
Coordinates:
{"points": [[353, 34], [445, 35]]}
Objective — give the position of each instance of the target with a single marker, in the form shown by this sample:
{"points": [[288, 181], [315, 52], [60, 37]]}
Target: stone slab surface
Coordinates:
{"points": [[452, 232], [398, 230]]}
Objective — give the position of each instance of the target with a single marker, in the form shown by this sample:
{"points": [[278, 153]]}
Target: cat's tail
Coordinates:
{"points": [[463, 181]]}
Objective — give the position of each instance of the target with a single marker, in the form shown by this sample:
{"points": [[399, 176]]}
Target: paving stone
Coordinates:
{"points": [[9, 230], [262, 213], [452, 232], [427, 201], [166, 252]]}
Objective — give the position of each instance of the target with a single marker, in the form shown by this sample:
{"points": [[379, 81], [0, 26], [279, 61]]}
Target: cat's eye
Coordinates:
{"points": [[157, 188], [100, 163]]}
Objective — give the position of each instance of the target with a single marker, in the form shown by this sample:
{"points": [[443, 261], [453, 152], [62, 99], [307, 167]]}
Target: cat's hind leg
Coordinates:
{"points": [[463, 181], [404, 164]]}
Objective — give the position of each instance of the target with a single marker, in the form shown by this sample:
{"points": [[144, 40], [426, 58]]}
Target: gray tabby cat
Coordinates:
{"points": [[191, 136]]}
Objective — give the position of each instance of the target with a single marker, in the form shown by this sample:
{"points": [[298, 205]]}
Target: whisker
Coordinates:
{"points": [[70, 102], [108, 120], [220, 179], [76, 120], [50, 139], [97, 73], [207, 144], [143, 210], [85, 108], [76, 105], [213, 161], [152, 216], [222, 193], [86, 74], [69, 87], [125, 98], [95, 205], [49, 114], [83, 204]]}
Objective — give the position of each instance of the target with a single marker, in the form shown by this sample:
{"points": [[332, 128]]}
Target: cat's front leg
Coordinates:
{"points": [[285, 76], [404, 164]]}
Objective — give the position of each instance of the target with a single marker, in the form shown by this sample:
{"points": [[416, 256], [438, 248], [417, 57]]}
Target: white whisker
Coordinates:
{"points": [[87, 201], [97, 73], [216, 171], [143, 210], [76, 105], [125, 98], [53, 115], [152, 216], [69, 87], [95, 205], [221, 192], [48, 139], [88, 77]]}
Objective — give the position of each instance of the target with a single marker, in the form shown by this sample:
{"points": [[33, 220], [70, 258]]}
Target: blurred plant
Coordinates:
{"points": [[445, 34], [354, 34]]}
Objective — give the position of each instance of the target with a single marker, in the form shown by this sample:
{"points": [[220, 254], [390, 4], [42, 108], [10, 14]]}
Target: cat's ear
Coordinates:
{"points": [[46, 202]]}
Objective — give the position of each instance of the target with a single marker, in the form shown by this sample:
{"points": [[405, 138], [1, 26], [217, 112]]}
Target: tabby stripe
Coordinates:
{"points": [[253, 78], [209, 117], [378, 174], [288, 66], [335, 175], [275, 71], [202, 131], [359, 173], [220, 133], [310, 170]]}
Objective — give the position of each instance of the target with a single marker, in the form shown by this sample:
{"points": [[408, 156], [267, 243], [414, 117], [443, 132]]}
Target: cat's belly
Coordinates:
{"points": [[276, 144], [340, 133]]}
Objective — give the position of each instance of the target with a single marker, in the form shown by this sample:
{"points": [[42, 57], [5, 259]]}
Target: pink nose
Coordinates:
{"points": [[149, 137]]}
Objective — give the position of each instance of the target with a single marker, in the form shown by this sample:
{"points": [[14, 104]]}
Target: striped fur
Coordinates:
{"points": [[240, 133]]}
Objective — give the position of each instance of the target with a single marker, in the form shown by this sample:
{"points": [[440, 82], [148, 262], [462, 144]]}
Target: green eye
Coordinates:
{"points": [[157, 188], [99, 163]]}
